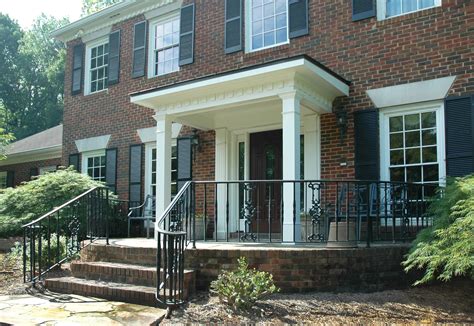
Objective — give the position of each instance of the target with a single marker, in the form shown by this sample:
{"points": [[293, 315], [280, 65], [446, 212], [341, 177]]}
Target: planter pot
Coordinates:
{"points": [[200, 229], [346, 237]]}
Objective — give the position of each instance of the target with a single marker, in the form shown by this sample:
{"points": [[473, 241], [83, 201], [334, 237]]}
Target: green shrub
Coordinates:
{"points": [[242, 287], [446, 249], [32, 199]]}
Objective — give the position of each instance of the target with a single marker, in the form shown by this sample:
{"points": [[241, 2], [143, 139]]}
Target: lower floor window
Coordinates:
{"points": [[152, 171], [3, 180], [94, 165]]}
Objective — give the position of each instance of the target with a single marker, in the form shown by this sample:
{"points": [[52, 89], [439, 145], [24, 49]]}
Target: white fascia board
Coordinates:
{"points": [[92, 144], [33, 155], [423, 91]]}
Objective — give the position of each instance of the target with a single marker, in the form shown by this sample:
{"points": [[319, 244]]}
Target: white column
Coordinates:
{"points": [[312, 153], [163, 163], [291, 165], [221, 175]]}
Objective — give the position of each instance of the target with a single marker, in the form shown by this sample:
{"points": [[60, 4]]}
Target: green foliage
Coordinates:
{"points": [[243, 287], [92, 6], [5, 139], [32, 70], [31, 200], [447, 248], [14, 259]]}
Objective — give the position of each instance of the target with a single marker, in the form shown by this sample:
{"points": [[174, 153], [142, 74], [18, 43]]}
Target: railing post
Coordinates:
{"points": [[107, 215], [193, 212], [369, 220]]}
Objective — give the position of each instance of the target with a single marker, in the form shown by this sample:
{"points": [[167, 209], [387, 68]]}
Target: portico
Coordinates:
{"points": [[287, 95]]}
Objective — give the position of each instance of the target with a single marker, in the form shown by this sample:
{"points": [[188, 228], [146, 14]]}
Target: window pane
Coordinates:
{"points": [[168, 40], [281, 35], [426, 3], [429, 154], [269, 24], [257, 41], [257, 27], [397, 174], [281, 21], [429, 137], [269, 38], [256, 13], [430, 172], [396, 124], [393, 8], [428, 119], [176, 26], [396, 140], [414, 174], [268, 10], [257, 2], [412, 156], [280, 6], [412, 139], [412, 121], [396, 157], [159, 43], [409, 5]]}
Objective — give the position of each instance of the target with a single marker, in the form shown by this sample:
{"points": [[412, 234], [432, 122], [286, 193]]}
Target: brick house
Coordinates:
{"points": [[161, 92], [34, 155]]}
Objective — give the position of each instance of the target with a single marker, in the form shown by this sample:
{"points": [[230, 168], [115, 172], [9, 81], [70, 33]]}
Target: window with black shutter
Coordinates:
{"points": [[186, 38], [74, 161], [139, 51], [459, 124], [185, 161], [233, 26], [10, 179], [135, 173], [366, 132], [114, 58], [298, 18], [77, 64], [111, 168]]}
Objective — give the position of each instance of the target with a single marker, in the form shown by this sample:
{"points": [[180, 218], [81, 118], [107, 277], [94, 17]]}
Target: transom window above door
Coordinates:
{"points": [[98, 67], [414, 152], [268, 23], [164, 45]]}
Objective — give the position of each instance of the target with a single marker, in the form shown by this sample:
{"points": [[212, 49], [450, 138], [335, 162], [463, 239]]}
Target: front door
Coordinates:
{"points": [[266, 164]]}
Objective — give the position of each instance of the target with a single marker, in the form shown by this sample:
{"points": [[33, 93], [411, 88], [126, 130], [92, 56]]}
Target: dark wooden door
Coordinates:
{"points": [[266, 164]]}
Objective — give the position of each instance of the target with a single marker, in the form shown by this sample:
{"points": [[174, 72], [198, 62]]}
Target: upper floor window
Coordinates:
{"points": [[268, 23], [164, 46], [97, 61], [392, 8]]}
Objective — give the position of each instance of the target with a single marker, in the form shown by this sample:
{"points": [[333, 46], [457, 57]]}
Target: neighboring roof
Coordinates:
{"points": [[48, 138], [116, 13]]}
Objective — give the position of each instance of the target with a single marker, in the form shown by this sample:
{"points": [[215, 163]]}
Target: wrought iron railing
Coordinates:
{"points": [[173, 228], [309, 211], [61, 233]]}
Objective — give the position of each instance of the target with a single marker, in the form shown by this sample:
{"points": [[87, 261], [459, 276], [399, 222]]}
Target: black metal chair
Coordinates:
{"points": [[145, 212]]}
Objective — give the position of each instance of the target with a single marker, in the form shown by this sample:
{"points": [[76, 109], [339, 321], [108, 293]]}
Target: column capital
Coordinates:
{"points": [[291, 95], [162, 116]]}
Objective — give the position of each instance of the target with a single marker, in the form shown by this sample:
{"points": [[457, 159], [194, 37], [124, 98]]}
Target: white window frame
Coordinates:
{"points": [[87, 74], [386, 113], [3, 179], [248, 29], [151, 39], [86, 155], [382, 9], [149, 147], [46, 169]]}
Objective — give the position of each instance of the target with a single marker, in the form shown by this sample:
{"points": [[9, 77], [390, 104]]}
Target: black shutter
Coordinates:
{"points": [[298, 17], [34, 172], [77, 62], [186, 37], [111, 168], [139, 49], [114, 58], [459, 124], [233, 26], [362, 9], [74, 160], [135, 166], [185, 162], [10, 179], [366, 132]]}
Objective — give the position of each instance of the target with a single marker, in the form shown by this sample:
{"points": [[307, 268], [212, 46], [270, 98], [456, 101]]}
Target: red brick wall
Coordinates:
{"points": [[424, 45], [22, 170]]}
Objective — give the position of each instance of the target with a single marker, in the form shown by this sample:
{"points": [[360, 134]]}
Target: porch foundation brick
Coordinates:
{"points": [[294, 269]]}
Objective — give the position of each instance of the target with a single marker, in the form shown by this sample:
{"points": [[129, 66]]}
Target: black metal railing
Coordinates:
{"points": [[61, 233], [173, 231], [309, 211]]}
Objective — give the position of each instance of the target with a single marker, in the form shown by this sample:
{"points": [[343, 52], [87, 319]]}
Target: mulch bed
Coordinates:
{"points": [[451, 303]]}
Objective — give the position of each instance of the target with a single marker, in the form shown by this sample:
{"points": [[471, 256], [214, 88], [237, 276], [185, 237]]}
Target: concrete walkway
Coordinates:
{"points": [[56, 309]]}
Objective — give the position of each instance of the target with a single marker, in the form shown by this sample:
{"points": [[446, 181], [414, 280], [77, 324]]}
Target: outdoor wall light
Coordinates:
{"points": [[195, 141], [341, 122]]}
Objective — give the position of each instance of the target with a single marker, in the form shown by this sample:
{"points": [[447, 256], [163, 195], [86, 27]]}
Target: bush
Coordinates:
{"points": [[243, 287], [446, 249], [31, 200]]}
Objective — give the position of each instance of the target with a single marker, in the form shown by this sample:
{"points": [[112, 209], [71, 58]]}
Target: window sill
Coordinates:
{"points": [[268, 47], [162, 75], [106, 90]]}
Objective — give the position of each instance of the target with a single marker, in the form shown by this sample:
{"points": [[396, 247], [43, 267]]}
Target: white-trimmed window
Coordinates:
{"points": [[393, 8], [150, 179], [164, 46], [268, 23], [3, 180], [97, 62], [93, 164], [413, 144]]}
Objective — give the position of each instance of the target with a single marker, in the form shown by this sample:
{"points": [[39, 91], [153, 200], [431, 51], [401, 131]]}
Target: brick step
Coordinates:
{"points": [[137, 294], [124, 273]]}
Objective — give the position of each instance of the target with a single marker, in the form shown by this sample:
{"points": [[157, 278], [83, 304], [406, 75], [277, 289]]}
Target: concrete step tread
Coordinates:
{"points": [[122, 265], [112, 285]]}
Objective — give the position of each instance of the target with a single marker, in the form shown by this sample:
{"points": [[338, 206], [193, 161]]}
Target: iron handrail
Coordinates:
{"points": [[168, 210]]}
